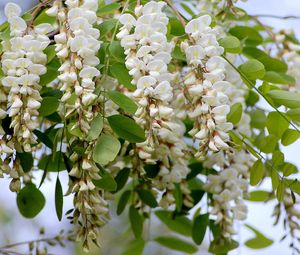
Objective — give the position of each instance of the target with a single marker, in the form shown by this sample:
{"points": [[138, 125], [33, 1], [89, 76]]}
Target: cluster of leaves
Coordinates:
{"points": [[267, 80]]}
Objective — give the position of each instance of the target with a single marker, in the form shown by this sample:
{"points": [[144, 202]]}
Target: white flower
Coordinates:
{"points": [[195, 54], [43, 28], [146, 82], [163, 91], [12, 10], [127, 20], [17, 25], [198, 25]]}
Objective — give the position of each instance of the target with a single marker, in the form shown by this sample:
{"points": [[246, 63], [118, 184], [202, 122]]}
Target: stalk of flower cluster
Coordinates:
{"points": [[77, 45], [23, 61], [207, 104], [148, 54]]}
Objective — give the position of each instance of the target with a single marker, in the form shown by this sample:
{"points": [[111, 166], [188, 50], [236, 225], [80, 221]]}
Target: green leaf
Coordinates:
{"points": [[121, 178], [30, 201], [280, 191], [294, 114], [58, 199], [235, 114], [178, 54], [49, 105], [199, 227], [108, 9], [252, 98], [231, 44], [147, 197], [274, 179], [176, 244], [123, 201], [176, 27], [126, 128], [259, 241], [107, 182], [259, 196], [44, 18], [271, 64], [288, 169], [222, 246], [253, 69], [268, 143], [106, 149], [278, 78], [96, 128], [289, 136], [258, 119], [50, 163], [136, 221], [249, 34], [276, 124], [179, 224], [120, 72], [286, 98], [26, 161], [256, 172], [277, 158], [178, 197], [117, 51], [107, 26], [73, 129], [52, 72], [50, 52], [123, 101], [135, 247]]}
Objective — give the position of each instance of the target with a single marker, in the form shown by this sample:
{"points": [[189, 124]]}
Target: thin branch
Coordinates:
{"points": [[276, 16]]}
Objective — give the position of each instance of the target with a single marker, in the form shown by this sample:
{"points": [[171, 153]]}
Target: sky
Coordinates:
{"points": [[259, 215]]}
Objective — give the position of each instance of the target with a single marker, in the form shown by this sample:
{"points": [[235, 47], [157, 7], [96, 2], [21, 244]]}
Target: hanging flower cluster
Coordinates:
{"points": [[228, 188], [77, 45], [23, 62], [148, 54], [208, 105]]}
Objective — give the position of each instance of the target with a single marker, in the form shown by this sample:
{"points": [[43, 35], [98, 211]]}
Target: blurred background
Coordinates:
{"points": [[116, 235]]}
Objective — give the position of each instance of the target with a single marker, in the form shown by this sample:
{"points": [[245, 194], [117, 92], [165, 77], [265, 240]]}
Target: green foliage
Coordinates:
{"points": [[179, 224], [123, 101], [58, 199], [286, 98], [250, 35], [199, 227], [147, 197], [256, 172], [253, 69], [136, 221], [235, 114], [231, 44], [30, 201], [259, 241], [106, 149], [49, 105], [176, 244], [126, 128]]}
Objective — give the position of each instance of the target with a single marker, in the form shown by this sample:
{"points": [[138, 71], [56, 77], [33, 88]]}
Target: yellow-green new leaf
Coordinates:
{"points": [[106, 149], [287, 98], [256, 172]]}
